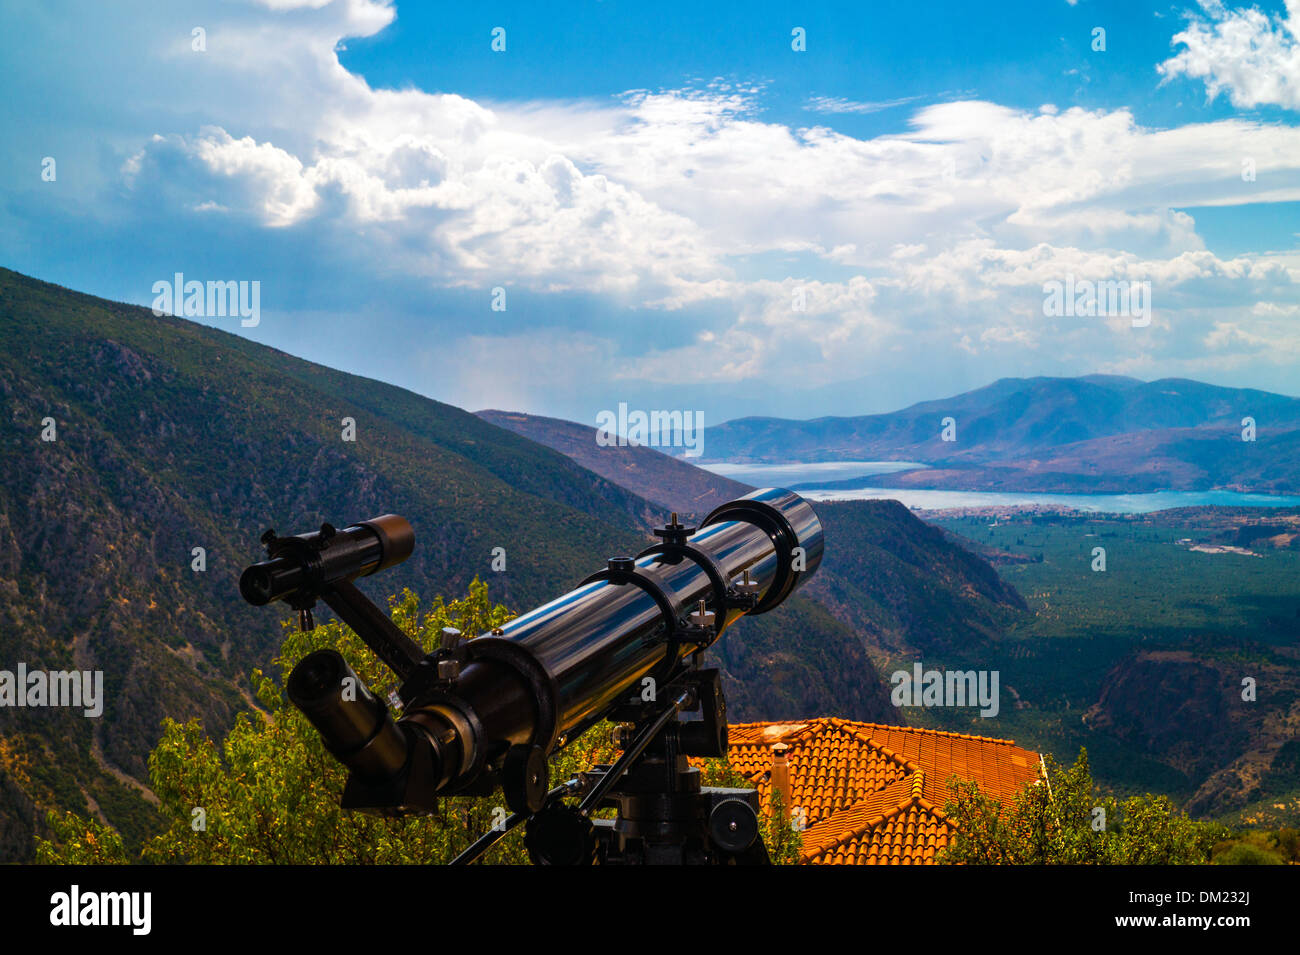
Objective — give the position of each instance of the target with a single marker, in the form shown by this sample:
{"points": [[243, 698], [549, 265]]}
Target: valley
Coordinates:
{"points": [[1144, 662]]}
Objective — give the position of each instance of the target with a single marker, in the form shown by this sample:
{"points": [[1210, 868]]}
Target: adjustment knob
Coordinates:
{"points": [[525, 779], [560, 835], [674, 532], [733, 825], [702, 617], [448, 670]]}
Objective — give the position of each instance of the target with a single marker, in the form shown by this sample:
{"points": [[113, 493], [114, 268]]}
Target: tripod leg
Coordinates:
{"points": [[490, 838]]}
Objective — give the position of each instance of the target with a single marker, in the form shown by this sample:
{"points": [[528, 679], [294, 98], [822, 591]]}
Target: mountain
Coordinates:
{"points": [[907, 586], [169, 436], [902, 585], [1163, 701], [672, 483], [1100, 434]]}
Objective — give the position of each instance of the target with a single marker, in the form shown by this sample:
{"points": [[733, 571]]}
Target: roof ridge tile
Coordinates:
{"points": [[928, 731]]}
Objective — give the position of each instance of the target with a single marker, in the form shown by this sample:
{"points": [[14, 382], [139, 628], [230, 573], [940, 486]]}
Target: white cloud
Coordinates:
{"points": [[276, 177], [1255, 59], [692, 209], [837, 104]]}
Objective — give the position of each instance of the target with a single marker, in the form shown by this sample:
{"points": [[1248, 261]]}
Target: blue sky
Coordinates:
{"points": [[1021, 54], [684, 212]]}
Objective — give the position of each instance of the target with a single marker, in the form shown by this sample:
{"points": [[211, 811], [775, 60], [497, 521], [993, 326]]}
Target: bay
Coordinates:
{"points": [[807, 475]]}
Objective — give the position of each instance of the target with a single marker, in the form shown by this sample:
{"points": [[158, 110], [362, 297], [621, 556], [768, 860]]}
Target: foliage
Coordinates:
{"points": [[1259, 847], [269, 793], [1066, 822], [1243, 853], [77, 841]]}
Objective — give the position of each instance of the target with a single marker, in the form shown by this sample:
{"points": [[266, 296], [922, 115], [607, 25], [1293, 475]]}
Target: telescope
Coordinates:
{"points": [[485, 714]]}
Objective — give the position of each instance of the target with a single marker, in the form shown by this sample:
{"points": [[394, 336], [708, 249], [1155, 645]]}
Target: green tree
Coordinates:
{"points": [[77, 841], [1063, 820]]}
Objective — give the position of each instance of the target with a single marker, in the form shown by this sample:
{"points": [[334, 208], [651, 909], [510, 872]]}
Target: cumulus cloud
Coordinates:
{"points": [[737, 244], [1252, 57]]}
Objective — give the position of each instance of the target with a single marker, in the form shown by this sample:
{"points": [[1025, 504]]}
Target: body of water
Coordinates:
{"points": [[1101, 503], [786, 475]]}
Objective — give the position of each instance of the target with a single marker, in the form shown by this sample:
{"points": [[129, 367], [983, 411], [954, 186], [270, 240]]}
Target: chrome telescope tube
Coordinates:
{"points": [[597, 642], [492, 706]]}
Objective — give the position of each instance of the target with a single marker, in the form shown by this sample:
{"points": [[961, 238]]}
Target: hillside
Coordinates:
{"points": [[1101, 434], [673, 484], [906, 586], [170, 436], [902, 585], [1187, 708]]}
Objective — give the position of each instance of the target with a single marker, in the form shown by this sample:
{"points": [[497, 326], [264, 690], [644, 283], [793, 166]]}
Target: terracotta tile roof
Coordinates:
{"points": [[872, 793]]}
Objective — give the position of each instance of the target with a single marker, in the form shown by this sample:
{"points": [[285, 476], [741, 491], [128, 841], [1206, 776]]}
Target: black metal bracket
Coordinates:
{"points": [[308, 552], [674, 532], [385, 638]]}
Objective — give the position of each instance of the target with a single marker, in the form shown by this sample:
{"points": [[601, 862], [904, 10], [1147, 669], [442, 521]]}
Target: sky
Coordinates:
{"points": [[733, 208]]}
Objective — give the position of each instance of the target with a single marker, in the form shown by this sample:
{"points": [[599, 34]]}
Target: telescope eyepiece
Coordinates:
{"points": [[317, 678], [354, 724]]}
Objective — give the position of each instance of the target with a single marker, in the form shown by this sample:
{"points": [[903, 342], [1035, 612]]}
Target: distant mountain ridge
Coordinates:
{"points": [[1097, 433], [670, 482]]}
